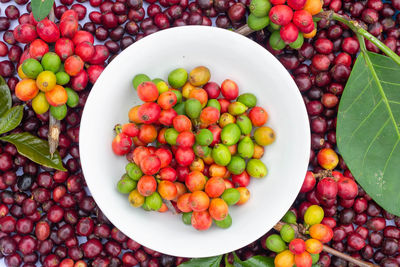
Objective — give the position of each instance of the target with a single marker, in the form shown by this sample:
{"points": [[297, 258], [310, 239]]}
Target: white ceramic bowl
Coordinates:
{"points": [[227, 55]]}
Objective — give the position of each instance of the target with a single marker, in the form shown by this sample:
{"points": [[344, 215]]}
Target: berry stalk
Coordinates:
{"points": [[54, 124], [244, 30]]}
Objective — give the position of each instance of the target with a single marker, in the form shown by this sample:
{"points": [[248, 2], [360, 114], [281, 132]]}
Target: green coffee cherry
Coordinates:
{"points": [[276, 42], [134, 172], [287, 233], [260, 8], [126, 185], [275, 243], [193, 108], [187, 218], [244, 124], [204, 137], [177, 78], [237, 165], [230, 134], [298, 43], [246, 148], [221, 155], [256, 168], [257, 23], [225, 223], [289, 217], [249, 99], [231, 196], [138, 79]]}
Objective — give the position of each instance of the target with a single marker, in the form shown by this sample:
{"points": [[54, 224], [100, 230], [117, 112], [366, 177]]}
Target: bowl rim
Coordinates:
{"points": [[183, 30]]}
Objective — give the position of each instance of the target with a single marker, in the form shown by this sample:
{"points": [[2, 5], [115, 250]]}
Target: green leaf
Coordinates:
{"points": [[35, 149], [255, 261], [5, 97], [368, 123], [200, 262], [11, 119], [41, 8]]}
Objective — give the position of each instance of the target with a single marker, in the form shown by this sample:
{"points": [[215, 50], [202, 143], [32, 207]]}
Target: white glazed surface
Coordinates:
{"points": [[227, 55]]}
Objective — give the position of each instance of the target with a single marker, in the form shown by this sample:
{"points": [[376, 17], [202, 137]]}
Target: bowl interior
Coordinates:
{"points": [[227, 55]]}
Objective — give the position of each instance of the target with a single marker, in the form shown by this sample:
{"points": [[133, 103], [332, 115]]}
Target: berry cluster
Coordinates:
{"points": [[198, 136]]}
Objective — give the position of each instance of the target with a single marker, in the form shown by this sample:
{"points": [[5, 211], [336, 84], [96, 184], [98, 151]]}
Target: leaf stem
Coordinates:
{"points": [[328, 249], [358, 28], [354, 25]]}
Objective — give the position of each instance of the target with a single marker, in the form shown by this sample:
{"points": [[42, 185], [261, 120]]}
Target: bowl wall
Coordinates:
{"points": [[227, 55]]}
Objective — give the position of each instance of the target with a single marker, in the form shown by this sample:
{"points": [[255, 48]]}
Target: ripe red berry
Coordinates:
{"points": [[281, 15], [149, 112], [289, 33], [48, 31], [277, 2], [147, 92], [297, 246], [296, 4], [121, 144], [303, 20]]}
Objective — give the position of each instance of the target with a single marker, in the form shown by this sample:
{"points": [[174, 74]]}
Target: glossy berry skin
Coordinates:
{"points": [[121, 144], [281, 14], [184, 156], [149, 112], [48, 31], [64, 48], [25, 33], [309, 182], [327, 188], [94, 72], [297, 246], [289, 33], [327, 158], [296, 4], [350, 45], [303, 20], [356, 241], [347, 188], [85, 50]]}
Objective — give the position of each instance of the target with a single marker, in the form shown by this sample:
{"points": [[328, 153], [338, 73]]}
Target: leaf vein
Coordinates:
{"points": [[390, 156], [382, 92], [374, 139], [366, 118], [35, 148], [384, 67], [359, 96], [386, 82]]}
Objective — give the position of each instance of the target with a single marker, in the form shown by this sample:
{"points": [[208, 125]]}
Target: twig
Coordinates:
{"points": [[323, 174], [170, 206], [328, 249], [244, 30], [347, 257], [54, 124], [54, 134]]}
